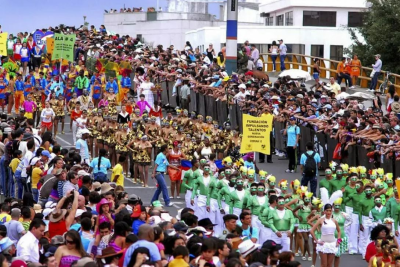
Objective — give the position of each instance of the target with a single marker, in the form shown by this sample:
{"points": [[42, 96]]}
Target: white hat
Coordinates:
{"points": [[50, 204], [314, 100], [275, 97], [266, 85], [246, 247], [299, 96], [79, 212], [84, 131], [242, 86], [83, 173], [47, 211], [178, 70], [153, 58], [34, 160], [154, 220], [200, 229]]}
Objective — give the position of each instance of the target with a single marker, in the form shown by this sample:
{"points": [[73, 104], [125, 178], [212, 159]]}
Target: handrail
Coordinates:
{"points": [[305, 62]]}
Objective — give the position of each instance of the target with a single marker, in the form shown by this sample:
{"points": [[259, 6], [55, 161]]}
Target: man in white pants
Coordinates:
{"points": [[281, 221]]}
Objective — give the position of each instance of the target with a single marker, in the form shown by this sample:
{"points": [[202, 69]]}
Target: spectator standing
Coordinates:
{"points": [[15, 230], [28, 245], [293, 135], [161, 164], [376, 72], [282, 52], [310, 162], [255, 54], [274, 54]]}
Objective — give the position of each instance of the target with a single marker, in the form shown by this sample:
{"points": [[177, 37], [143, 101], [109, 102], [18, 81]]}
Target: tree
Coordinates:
{"points": [[381, 33]]}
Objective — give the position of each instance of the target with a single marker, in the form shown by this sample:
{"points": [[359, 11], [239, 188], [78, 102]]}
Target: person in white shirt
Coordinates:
{"points": [[47, 116], [81, 123], [28, 244], [27, 158], [241, 96], [282, 54]]}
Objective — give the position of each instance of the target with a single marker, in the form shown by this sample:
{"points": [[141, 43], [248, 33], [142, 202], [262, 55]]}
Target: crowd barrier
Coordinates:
{"points": [[323, 143]]}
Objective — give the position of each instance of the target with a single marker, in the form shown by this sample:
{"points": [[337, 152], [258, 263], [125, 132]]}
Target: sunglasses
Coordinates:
{"points": [[69, 242]]}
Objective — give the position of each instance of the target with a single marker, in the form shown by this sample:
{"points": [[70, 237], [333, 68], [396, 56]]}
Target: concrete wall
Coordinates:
{"points": [[265, 35], [275, 5]]}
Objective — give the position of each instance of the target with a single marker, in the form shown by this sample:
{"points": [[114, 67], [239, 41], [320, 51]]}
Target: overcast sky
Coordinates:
{"points": [[24, 15]]}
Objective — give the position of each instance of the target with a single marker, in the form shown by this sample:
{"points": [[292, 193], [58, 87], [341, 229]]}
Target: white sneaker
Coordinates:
{"points": [[352, 87], [169, 205], [287, 171], [292, 171]]}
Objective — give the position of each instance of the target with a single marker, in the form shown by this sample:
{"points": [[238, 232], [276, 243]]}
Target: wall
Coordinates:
{"points": [[274, 5], [265, 35]]}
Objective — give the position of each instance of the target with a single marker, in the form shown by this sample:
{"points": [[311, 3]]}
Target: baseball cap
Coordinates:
{"points": [[34, 161], [18, 263], [83, 173], [180, 227], [46, 153]]}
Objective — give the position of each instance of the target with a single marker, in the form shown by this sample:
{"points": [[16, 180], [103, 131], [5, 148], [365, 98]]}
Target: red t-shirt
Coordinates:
{"points": [[371, 251]]}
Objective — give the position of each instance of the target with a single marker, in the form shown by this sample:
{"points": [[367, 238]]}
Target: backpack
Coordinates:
{"points": [[310, 166]]}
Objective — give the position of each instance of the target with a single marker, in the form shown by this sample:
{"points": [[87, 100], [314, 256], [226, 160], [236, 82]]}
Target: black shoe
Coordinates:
{"points": [[261, 161], [269, 161]]}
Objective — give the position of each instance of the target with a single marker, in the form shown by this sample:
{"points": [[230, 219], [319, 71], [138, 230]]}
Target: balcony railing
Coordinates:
{"points": [[328, 67]]}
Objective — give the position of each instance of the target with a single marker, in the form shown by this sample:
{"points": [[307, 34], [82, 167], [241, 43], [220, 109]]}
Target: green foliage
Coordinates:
{"points": [[381, 32]]}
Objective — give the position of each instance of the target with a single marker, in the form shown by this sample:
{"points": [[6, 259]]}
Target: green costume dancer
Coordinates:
{"points": [[302, 212], [338, 182], [237, 196], [378, 213], [281, 221], [366, 205], [356, 199], [224, 195], [200, 189], [188, 180], [215, 215], [344, 220], [324, 183]]}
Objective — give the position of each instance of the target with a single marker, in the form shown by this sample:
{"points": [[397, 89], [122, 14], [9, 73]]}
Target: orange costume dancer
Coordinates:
{"points": [[126, 85], [19, 93]]}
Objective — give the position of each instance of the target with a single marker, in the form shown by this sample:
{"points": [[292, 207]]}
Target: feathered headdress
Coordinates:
{"points": [[332, 165], [226, 160], [316, 201], [243, 169], [362, 169], [380, 171], [338, 201], [271, 178], [308, 194], [262, 173], [283, 183], [378, 183], [250, 172], [389, 176], [373, 172], [345, 167], [294, 183], [353, 170], [325, 196]]}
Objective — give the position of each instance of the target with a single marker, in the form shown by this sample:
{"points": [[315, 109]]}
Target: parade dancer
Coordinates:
{"points": [[327, 245], [47, 116], [356, 199], [237, 197], [29, 107], [75, 114], [19, 93], [281, 221], [301, 212], [349, 190], [344, 220], [225, 192], [378, 213], [266, 231], [366, 205], [25, 57], [126, 85], [3, 89], [215, 214], [200, 185], [254, 204]]}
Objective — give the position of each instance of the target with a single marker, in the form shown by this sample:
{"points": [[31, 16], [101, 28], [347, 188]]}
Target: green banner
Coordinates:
{"points": [[64, 47]]}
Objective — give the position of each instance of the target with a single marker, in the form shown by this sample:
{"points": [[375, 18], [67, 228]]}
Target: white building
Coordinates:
{"points": [[169, 27], [312, 27]]}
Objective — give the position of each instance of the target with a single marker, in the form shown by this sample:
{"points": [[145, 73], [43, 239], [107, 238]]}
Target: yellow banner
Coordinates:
{"points": [[256, 134], [3, 43], [50, 45]]}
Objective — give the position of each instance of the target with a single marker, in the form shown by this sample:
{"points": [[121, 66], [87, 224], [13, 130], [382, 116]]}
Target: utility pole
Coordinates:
{"points": [[231, 36]]}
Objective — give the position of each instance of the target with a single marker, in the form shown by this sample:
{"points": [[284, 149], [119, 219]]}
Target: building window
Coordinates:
{"points": [[319, 18], [355, 19], [336, 52], [289, 18], [279, 20], [269, 21], [317, 51]]}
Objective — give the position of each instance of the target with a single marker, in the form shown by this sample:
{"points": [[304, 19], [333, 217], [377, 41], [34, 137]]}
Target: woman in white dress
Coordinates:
{"points": [[327, 245], [145, 88]]}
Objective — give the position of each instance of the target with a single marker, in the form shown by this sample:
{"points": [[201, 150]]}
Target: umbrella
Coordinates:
{"points": [[296, 74], [360, 96], [341, 96]]}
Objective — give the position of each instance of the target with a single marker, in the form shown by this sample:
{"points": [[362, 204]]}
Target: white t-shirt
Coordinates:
{"points": [[47, 112], [146, 86], [27, 158], [81, 122]]}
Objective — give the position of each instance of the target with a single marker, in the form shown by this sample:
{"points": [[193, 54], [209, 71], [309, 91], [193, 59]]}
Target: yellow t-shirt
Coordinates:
{"points": [[117, 170], [4, 218], [36, 172], [14, 164]]}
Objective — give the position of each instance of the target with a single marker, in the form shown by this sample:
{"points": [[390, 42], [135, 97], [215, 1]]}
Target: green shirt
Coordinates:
{"points": [[280, 225], [347, 192], [236, 201], [324, 183], [357, 199], [199, 188], [366, 206], [377, 215], [336, 184], [188, 179], [225, 194], [254, 204]]}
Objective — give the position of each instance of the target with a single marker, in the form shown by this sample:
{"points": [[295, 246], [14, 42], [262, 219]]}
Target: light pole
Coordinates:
{"points": [[231, 36]]}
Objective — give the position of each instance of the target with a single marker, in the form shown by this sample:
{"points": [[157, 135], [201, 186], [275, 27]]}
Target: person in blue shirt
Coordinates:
{"points": [[292, 132], [100, 166], [248, 231], [126, 85], [139, 216], [307, 178], [161, 164], [19, 92], [112, 84]]}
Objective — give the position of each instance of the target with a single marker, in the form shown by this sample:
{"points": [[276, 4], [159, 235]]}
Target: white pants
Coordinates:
{"points": [[349, 211], [284, 241], [364, 236], [353, 238], [237, 211], [188, 198], [213, 210], [74, 131], [201, 209]]}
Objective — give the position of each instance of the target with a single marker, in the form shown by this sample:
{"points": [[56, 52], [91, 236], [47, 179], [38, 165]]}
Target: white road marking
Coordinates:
{"points": [[65, 141], [176, 206]]}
